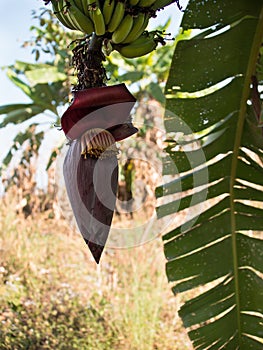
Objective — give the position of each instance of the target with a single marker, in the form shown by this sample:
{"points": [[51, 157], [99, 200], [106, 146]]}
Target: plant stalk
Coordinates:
{"points": [[88, 62]]}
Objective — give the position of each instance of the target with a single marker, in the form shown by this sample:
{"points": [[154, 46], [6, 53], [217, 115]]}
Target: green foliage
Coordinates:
{"points": [[219, 158], [20, 113], [56, 322], [53, 296]]}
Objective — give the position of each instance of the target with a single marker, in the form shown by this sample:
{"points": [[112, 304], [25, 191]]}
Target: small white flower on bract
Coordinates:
{"points": [[2, 269]]}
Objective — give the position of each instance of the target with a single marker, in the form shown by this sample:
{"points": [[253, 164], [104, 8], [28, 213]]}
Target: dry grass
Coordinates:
{"points": [[53, 295]]}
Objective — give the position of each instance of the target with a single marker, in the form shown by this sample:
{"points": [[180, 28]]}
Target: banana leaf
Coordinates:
{"points": [[215, 152], [42, 94], [19, 115], [45, 75], [40, 73], [5, 109]]}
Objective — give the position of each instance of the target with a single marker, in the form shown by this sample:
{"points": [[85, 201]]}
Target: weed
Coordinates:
{"points": [[53, 296]]}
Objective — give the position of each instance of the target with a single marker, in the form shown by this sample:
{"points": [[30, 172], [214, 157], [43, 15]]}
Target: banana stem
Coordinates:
{"points": [[88, 61]]}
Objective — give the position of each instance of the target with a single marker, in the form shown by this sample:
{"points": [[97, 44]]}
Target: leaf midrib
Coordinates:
{"points": [[239, 132]]}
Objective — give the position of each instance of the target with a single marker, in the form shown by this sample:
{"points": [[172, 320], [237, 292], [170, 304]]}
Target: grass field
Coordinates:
{"points": [[53, 296]]}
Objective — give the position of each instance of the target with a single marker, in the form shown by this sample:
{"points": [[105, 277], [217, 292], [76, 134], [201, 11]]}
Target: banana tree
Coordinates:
{"points": [[210, 100]]}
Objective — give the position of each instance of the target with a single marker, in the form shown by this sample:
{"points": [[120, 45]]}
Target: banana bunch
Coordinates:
{"points": [[69, 14], [121, 22], [144, 44]]}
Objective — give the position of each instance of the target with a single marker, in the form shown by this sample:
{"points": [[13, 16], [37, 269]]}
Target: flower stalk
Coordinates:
{"points": [[88, 61]]}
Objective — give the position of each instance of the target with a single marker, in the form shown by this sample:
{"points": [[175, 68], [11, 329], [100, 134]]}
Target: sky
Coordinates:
{"points": [[15, 21]]}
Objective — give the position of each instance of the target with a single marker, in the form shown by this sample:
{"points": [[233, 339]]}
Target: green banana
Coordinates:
{"points": [[72, 18], [140, 47], [64, 12], [85, 7], [145, 36], [107, 10], [117, 16], [59, 15], [89, 6], [98, 20], [159, 4], [123, 29], [146, 3], [133, 2], [79, 5], [139, 25], [83, 22]]}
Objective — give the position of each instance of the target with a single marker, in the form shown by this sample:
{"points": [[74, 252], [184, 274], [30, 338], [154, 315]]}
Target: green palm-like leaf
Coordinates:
{"points": [[45, 90], [21, 113], [5, 109], [41, 94], [207, 92], [40, 73]]}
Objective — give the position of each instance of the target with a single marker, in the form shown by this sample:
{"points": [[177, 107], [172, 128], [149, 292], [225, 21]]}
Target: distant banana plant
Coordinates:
{"points": [[46, 84], [212, 91]]}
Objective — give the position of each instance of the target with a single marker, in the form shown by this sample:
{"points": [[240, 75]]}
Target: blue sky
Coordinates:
{"points": [[15, 20]]}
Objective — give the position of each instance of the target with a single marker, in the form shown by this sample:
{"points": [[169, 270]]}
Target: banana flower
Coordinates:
{"points": [[96, 119]]}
